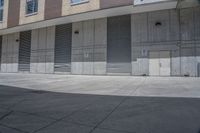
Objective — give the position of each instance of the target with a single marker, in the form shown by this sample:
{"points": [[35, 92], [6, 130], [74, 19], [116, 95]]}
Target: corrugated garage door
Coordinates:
{"points": [[25, 51], [119, 44], [63, 44], [0, 50]]}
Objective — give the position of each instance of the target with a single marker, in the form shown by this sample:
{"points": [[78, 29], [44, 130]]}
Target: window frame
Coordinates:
{"points": [[80, 2], [2, 10], [34, 12]]}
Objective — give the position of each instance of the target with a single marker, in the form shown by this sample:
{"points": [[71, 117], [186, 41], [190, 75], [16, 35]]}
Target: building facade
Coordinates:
{"points": [[100, 37]]}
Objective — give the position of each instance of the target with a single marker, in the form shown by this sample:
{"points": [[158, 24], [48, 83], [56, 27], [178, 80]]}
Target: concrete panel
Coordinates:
{"points": [[77, 49], [34, 54], [158, 23], [50, 50], [100, 31], [197, 23], [77, 67], [42, 50], [174, 25], [88, 68], [77, 39], [99, 68], [4, 54], [49, 68], [188, 62], [188, 66], [88, 33], [187, 24], [140, 67], [10, 53], [139, 28]]}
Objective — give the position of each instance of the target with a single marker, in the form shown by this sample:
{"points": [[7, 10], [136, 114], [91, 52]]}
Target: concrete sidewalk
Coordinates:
{"points": [[87, 104], [107, 85]]}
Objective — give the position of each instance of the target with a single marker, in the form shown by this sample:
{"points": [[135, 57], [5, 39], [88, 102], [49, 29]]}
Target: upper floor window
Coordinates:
{"points": [[78, 1], [31, 6], [1, 9]]}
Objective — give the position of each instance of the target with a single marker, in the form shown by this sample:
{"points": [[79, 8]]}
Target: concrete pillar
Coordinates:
{"points": [[42, 50], [50, 49], [100, 46], [10, 53], [77, 49], [34, 53], [89, 47]]}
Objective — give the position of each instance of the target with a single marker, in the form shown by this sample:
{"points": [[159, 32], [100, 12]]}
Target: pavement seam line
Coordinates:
{"points": [[7, 114], [122, 101], [58, 120], [13, 128]]}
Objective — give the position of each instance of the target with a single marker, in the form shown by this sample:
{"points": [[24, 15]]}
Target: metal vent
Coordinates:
{"points": [[25, 51], [63, 44]]}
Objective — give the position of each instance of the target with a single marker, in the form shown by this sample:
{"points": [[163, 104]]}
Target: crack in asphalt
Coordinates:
{"points": [[122, 101], [7, 114]]}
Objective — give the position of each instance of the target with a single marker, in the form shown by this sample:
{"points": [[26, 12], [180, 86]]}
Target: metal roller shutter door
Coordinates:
{"points": [[63, 44], [119, 44], [25, 51]]}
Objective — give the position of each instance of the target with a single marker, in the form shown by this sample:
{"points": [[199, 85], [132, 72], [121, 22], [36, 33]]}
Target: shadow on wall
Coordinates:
{"points": [[119, 113]]}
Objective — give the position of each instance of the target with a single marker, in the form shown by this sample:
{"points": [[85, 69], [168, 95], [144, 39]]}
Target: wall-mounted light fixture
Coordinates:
{"points": [[76, 32], [158, 23]]}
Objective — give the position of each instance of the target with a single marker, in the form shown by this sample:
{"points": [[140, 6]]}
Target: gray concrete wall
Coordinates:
{"points": [[42, 50], [89, 47], [10, 53], [178, 33]]}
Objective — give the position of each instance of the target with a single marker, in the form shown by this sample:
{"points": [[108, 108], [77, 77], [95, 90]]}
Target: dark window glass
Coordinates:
{"points": [[1, 9], [31, 6], [77, 1]]}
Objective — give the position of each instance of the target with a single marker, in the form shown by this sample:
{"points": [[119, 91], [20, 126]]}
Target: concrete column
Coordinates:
{"points": [[77, 49], [34, 53], [10, 53], [89, 47], [50, 49], [100, 46], [42, 50], [4, 54]]}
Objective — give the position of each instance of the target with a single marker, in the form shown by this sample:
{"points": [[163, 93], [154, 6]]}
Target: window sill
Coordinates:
{"points": [[79, 3], [31, 14]]}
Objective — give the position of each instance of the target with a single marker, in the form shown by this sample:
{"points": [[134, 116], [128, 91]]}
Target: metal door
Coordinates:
{"points": [[165, 63], [119, 45], [154, 64], [159, 63], [63, 44], [25, 51]]}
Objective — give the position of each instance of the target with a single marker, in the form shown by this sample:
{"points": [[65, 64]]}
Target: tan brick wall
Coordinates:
{"points": [[68, 9], [3, 24], [24, 19]]}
